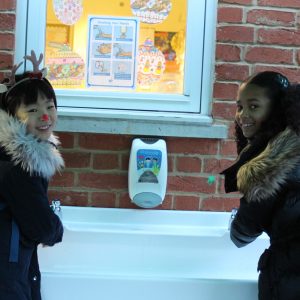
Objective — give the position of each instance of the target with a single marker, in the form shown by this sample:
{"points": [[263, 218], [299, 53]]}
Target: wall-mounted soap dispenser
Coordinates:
{"points": [[148, 169]]}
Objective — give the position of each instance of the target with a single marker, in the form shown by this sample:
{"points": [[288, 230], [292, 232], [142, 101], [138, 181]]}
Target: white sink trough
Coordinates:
{"points": [[135, 254]]}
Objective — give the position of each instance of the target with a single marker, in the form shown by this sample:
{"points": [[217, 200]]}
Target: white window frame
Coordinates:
{"points": [[180, 115]]}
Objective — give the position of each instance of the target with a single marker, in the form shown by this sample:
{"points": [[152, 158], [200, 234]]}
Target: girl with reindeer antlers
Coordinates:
{"points": [[28, 159]]}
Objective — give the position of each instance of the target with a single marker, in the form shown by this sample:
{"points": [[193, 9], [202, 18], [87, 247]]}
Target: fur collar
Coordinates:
{"points": [[33, 155], [264, 175]]}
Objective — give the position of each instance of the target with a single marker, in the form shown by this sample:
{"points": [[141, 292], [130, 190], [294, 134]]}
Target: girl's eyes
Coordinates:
{"points": [[252, 107], [32, 110]]}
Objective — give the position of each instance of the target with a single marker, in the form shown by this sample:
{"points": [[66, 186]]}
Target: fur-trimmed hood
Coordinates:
{"points": [[33, 155], [263, 176]]}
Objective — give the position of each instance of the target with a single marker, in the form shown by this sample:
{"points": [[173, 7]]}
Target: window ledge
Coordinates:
{"points": [[138, 123]]}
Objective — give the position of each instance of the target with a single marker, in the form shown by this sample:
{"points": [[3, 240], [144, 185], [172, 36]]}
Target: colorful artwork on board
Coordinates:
{"points": [[65, 68], [68, 12], [151, 11], [151, 64]]}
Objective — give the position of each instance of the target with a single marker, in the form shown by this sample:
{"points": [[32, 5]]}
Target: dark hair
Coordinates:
{"points": [[285, 107], [26, 91]]}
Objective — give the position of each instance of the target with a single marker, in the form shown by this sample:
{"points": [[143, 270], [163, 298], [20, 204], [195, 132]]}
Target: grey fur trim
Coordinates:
{"points": [[33, 155], [263, 176]]}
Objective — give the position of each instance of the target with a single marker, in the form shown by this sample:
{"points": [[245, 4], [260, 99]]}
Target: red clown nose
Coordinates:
{"points": [[45, 117]]}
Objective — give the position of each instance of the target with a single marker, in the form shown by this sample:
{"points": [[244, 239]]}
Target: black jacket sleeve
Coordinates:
{"points": [[27, 199], [250, 221]]}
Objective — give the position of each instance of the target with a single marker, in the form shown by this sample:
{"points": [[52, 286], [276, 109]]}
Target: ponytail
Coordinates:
{"points": [[291, 106]]}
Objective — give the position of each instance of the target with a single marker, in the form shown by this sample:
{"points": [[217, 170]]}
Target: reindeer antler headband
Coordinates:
{"points": [[10, 81]]}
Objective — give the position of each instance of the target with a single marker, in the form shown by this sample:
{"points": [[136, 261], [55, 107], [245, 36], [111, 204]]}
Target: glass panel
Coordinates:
{"points": [[100, 45]]}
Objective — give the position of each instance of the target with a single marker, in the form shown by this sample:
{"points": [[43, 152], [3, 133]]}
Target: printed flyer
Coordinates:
{"points": [[112, 48]]}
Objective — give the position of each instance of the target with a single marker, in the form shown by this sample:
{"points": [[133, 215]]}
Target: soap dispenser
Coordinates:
{"points": [[147, 174]]}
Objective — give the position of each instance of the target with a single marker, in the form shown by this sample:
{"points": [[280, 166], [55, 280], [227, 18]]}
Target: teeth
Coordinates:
{"points": [[44, 127]]}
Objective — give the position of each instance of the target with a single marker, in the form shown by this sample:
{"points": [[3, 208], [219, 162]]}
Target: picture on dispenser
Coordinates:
{"points": [[148, 165]]}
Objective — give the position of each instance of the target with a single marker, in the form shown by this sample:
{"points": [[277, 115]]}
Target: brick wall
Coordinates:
{"points": [[252, 35], [7, 28]]}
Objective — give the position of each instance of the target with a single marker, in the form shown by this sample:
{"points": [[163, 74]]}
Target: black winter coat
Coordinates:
{"points": [[270, 183], [26, 165]]}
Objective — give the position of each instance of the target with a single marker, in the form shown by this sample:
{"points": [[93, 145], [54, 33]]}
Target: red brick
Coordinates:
{"points": [[225, 90], [219, 204], [7, 4], [283, 36], [187, 203], [231, 72], [230, 203], [229, 53], [269, 55], [224, 110], [230, 15], [191, 146], [242, 34], [298, 57], [242, 2], [170, 163], [271, 17], [66, 139], [190, 184], [7, 21], [103, 199], [7, 41], [125, 201], [231, 130], [167, 203], [125, 161], [215, 166], [104, 141], [6, 61], [280, 3], [228, 148], [103, 181], [77, 159], [188, 164], [106, 161], [69, 197], [66, 179], [293, 73], [220, 186]]}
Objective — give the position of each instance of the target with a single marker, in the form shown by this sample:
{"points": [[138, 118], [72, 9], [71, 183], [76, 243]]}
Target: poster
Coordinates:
{"points": [[112, 48]]}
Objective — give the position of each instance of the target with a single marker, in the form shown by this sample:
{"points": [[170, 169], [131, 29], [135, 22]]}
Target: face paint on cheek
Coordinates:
{"points": [[23, 117]]}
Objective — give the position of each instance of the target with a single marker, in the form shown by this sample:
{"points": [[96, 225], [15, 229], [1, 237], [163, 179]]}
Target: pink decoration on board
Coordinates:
{"points": [[151, 11], [151, 64], [68, 11]]}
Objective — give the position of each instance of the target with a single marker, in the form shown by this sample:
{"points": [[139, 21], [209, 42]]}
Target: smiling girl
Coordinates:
{"points": [[28, 159], [267, 173]]}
